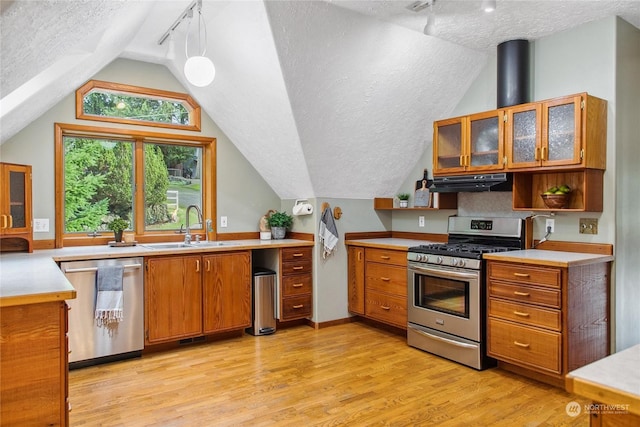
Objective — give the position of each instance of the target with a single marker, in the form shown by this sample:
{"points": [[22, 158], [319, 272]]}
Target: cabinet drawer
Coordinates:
{"points": [[526, 294], [296, 307], [525, 346], [386, 256], [386, 308], [386, 278], [525, 314], [296, 267], [296, 254], [526, 274], [297, 284]]}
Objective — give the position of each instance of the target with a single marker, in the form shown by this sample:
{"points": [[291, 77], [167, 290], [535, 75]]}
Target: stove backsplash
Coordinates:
{"points": [[493, 204]]}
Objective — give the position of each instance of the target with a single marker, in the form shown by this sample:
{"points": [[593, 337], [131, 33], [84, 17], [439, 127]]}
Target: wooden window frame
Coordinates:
{"points": [[195, 111], [138, 138]]}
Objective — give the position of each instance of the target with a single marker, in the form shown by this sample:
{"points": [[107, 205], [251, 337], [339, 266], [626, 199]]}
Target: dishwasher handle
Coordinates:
{"points": [[86, 269]]}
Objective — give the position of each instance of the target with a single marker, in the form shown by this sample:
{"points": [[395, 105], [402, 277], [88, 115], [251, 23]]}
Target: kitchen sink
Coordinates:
{"points": [[178, 245]]}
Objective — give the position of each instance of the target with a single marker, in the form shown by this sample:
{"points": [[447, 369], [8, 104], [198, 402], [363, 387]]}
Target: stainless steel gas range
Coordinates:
{"points": [[446, 288]]}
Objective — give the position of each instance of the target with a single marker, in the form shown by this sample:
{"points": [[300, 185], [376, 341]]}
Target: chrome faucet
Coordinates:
{"points": [[187, 235]]}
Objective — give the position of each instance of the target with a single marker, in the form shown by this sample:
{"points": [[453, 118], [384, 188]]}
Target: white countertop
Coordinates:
{"points": [[28, 278], [614, 380], [389, 243], [550, 258]]}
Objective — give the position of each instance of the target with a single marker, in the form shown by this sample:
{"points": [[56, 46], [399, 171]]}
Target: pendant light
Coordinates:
{"points": [[198, 69], [430, 28], [488, 5]]}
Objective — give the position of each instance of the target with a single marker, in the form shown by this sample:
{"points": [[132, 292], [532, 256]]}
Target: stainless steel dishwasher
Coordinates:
{"points": [[89, 343]]}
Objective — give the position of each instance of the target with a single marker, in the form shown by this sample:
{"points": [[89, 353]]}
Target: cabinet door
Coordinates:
{"points": [[226, 291], [173, 298], [356, 279], [16, 199], [486, 142], [562, 139], [448, 145], [523, 136]]}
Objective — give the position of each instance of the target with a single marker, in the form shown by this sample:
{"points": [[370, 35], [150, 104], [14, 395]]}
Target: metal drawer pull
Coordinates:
{"points": [[4, 221], [522, 294], [519, 344], [384, 307], [298, 267], [297, 254], [83, 270], [208, 265], [448, 341], [521, 274], [384, 279], [10, 221], [385, 257], [521, 314], [298, 306], [197, 265], [298, 285]]}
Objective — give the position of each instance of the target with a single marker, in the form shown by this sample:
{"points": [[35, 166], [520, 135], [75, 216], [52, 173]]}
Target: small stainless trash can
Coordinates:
{"points": [[262, 312]]}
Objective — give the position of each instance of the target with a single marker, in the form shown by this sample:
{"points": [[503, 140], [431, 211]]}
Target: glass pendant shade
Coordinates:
{"points": [[199, 71]]}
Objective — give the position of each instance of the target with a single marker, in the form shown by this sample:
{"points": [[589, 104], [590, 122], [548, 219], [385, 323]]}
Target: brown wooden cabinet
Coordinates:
{"points": [[378, 284], [173, 298], [473, 143], [33, 365], [546, 320], [355, 255], [562, 133], [16, 218], [192, 295], [296, 283], [226, 283]]}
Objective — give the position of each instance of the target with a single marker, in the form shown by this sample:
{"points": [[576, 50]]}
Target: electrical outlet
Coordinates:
{"points": [[40, 225], [223, 221], [550, 225], [588, 225], [420, 221]]}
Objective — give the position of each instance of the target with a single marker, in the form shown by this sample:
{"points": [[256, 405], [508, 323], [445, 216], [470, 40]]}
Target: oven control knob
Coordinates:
{"points": [[439, 260], [453, 261], [461, 262], [419, 257]]}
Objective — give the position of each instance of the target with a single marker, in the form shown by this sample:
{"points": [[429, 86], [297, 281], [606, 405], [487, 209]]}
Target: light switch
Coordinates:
{"points": [[223, 221], [40, 225]]}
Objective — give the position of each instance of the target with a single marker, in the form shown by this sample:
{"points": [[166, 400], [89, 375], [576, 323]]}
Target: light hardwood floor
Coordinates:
{"points": [[346, 375]]}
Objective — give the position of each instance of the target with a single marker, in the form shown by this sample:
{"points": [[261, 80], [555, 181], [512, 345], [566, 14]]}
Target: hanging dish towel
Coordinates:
{"points": [[109, 298], [328, 232]]}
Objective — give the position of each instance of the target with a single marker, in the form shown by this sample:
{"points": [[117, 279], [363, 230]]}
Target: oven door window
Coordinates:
{"points": [[442, 294]]}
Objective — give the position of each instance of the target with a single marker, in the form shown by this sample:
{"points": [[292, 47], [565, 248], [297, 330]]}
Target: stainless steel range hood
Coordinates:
{"points": [[472, 183]]}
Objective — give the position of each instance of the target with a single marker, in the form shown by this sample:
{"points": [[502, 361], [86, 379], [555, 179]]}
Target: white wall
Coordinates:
{"points": [[243, 196]]}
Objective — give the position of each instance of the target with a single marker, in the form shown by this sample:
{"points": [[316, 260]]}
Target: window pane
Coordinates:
{"points": [[145, 109], [172, 183], [98, 183]]}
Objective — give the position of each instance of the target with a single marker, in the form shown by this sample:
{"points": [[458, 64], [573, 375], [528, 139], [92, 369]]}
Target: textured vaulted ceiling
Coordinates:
{"points": [[324, 98]]}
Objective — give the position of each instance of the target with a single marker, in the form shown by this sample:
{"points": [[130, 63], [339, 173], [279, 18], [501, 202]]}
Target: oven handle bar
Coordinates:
{"points": [[443, 273], [445, 340]]}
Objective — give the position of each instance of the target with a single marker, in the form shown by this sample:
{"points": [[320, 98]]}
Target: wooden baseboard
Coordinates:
{"points": [[590, 248], [330, 323], [44, 244]]}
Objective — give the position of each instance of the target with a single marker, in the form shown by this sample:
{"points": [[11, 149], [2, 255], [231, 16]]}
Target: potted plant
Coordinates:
{"points": [[404, 199], [118, 225], [279, 222]]}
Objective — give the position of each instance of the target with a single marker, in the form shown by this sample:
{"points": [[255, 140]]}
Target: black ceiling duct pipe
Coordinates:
{"points": [[513, 73]]}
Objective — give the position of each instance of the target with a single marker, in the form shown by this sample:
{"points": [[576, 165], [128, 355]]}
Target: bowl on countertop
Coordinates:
{"points": [[556, 201]]}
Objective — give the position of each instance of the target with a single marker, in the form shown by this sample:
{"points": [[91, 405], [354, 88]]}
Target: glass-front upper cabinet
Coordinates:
{"points": [[544, 134], [448, 151], [486, 141], [15, 206], [469, 143]]}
